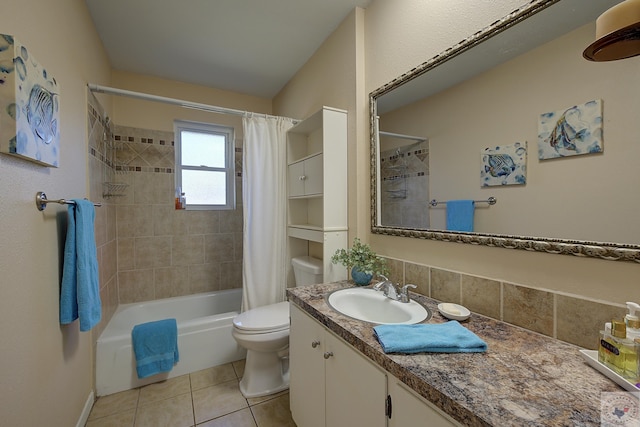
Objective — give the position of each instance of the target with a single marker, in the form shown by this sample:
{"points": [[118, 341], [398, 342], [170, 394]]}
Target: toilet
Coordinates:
{"points": [[264, 332]]}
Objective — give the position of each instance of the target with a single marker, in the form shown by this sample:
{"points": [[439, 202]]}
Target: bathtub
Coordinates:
{"points": [[204, 338]]}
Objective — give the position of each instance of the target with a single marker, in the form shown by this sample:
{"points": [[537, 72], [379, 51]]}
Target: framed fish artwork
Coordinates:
{"points": [[504, 165], [29, 106], [570, 132]]}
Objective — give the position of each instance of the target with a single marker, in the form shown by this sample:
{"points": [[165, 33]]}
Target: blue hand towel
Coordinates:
{"points": [[155, 345], [80, 290], [450, 337], [460, 215]]}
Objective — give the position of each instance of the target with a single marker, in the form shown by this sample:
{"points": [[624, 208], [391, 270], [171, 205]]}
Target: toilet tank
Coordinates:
{"points": [[307, 270]]}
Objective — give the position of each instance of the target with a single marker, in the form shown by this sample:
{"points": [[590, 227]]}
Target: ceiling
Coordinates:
{"points": [[247, 46]]}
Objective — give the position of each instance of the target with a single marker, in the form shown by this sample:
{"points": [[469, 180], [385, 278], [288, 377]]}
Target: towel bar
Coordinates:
{"points": [[41, 201], [490, 200]]}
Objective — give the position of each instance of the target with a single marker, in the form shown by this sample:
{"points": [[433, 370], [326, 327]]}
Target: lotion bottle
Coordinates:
{"points": [[632, 321]]}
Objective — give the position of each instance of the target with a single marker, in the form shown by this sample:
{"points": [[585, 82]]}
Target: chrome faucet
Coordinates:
{"points": [[392, 291]]}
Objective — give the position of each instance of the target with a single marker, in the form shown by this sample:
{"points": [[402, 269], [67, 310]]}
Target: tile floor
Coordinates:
{"points": [[207, 398]]}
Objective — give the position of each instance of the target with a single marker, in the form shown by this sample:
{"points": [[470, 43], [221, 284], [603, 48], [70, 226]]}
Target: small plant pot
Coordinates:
{"points": [[360, 277]]}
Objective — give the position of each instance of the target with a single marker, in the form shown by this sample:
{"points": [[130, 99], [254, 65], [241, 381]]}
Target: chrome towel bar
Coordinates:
{"points": [[41, 201], [490, 200]]}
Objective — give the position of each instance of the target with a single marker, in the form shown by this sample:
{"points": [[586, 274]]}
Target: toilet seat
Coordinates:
{"points": [[265, 319]]}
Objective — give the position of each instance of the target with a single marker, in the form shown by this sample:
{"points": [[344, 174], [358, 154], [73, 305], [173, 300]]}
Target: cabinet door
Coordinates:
{"points": [[313, 175], [296, 181], [408, 409], [306, 370], [355, 388]]}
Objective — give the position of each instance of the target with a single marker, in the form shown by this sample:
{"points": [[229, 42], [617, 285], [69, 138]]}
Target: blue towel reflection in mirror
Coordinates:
{"points": [[460, 215]]}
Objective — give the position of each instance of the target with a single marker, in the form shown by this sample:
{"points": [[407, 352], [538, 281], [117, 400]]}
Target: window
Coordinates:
{"points": [[205, 165]]}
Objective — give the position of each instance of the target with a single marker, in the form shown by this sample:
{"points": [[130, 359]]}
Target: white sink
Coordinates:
{"points": [[372, 306]]}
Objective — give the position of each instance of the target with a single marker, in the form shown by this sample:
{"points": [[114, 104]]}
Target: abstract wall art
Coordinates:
{"points": [[504, 165], [573, 131], [29, 106]]}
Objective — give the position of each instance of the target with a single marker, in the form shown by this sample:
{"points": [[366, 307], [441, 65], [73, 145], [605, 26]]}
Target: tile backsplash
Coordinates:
{"points": [[570, 318]]}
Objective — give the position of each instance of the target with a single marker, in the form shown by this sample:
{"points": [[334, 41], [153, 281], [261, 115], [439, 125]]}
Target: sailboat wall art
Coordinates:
{"points": [[29, 106], [570, 132]]}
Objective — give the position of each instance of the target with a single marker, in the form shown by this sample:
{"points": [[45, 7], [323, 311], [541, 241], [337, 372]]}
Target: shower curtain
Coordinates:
{"points": [[264, 206]]}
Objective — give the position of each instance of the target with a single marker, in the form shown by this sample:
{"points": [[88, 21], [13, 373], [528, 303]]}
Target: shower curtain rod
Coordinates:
{"points": [[182, 103], [402, 136]]}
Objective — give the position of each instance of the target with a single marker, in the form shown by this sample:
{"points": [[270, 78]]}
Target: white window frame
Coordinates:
{"points": [[228, 132]]}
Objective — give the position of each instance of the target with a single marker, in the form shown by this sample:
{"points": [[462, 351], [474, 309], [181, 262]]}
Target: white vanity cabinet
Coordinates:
{"points": [[334, 385], [331, 384], [410, 409], [317, 190]]}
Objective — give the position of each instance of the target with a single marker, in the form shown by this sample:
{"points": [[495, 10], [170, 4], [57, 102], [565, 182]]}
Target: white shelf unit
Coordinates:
{"points": [[317, 189]]}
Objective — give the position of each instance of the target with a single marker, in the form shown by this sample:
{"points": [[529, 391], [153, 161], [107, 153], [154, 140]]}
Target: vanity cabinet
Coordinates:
{"points": [[334, 385], [331, 384], [317, 189], [410, 409]]}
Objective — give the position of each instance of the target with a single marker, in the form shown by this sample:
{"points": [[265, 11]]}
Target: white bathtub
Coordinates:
{"points": [[204, 338]]}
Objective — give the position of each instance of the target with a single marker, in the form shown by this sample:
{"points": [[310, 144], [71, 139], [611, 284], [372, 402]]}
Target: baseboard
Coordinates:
{"points": [[86, 410]]}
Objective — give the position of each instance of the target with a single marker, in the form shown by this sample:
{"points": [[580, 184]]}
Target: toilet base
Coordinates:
{"points": [[264, 374]]}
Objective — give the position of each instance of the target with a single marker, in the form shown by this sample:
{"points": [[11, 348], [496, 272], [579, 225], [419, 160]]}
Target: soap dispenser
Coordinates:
{"points": [[632, 321]]}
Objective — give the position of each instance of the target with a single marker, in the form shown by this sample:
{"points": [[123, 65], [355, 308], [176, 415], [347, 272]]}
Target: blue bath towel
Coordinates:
{"points": [[450, 337], [460, 215], [80, 289], [155, 345]]}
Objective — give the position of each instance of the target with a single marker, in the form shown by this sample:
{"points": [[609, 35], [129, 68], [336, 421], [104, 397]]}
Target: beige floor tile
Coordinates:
{"points": [[238, 366], [165, 389], [255, 400], [218, 400], [212, 376], [114, 403], [121, 419], [242, 418], [173, 412], [273, 413]]}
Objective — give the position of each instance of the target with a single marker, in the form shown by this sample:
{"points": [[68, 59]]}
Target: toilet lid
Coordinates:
{"points": [[266, 318]]}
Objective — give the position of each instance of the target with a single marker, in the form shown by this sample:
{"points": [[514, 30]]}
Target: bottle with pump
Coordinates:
{"points": [[619, 352], [632, 321]]}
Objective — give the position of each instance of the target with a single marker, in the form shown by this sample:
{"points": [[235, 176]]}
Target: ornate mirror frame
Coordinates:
{"points": [[602, 250]]}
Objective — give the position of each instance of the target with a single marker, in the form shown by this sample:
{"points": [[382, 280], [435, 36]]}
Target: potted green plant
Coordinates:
{"points": [[363, 262]]}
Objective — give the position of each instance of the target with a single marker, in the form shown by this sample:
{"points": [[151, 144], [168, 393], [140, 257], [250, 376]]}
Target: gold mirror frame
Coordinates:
{"points": [[602, 250]]}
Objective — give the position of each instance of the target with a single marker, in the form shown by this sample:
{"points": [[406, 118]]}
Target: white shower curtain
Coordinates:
{"points": [[264, 171]]}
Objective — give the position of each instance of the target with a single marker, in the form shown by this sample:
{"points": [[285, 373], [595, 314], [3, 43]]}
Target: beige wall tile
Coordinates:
{"points": [[126, 251], [152, 252], [529, 308], [219, 247], [231, 221], [203, 222], [171, 282], [188, 250], [135, 286], [418, 275], [445, 285], [396, 270], [481, 295], [204, 278], [231, 275], [580, 321]]}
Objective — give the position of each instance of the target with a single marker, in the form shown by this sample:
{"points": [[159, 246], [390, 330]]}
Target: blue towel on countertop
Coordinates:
{"points": [[460, 215], [80, 289], [155, 345], [450, 337]]}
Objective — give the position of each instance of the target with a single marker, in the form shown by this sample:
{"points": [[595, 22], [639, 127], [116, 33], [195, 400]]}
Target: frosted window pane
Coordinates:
{"points": [[203, 149], [204, 187]]}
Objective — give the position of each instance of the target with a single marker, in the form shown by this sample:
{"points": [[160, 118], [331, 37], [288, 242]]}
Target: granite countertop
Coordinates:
{"points": [[524, 378]]}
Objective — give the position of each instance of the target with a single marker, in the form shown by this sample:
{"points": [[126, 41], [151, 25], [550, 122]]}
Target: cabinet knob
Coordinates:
{"points": [[314, 344], [328, 354], [302, 177]]}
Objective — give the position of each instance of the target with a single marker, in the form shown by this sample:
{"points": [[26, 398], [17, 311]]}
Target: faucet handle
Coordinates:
{"points": [[404, 292], [378, 286]]}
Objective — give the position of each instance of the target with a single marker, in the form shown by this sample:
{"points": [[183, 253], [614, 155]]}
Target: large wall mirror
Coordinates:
{"points": [[520, 87]]}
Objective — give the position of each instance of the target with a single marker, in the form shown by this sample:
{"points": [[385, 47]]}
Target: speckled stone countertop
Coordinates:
{"points": [[524, 378]]}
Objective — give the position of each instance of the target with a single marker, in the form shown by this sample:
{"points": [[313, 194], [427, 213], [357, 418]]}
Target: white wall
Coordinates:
{"points": [[46, 370]]}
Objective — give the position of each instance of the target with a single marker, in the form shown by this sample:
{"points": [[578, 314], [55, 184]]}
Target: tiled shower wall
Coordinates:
{"points": [[568, 318], [146, 248], [404, 187]]}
